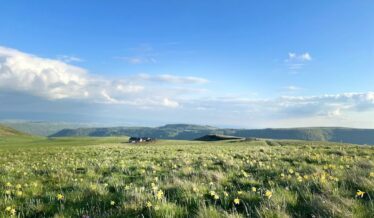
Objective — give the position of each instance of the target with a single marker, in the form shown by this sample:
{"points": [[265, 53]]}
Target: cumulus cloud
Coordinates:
{"points": [[55, 79], [167, 78]]}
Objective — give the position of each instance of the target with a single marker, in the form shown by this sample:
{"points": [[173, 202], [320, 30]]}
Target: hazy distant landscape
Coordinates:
{"points": [[190, 132]]}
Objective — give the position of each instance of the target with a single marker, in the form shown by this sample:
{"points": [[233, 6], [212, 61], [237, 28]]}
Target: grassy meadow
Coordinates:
{"points": [[105, 177]]}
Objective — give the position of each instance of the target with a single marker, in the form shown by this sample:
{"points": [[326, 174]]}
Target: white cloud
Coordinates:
{"points": [[69, 58], [296, 62], [56, 79], [292, 88], [170, 103], [167, 78], [138, 60], [291, 106], [306, 57], [300, 57]]}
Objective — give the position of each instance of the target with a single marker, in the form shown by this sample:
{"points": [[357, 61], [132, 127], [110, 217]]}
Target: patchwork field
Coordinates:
{"points": [[104, 177]]}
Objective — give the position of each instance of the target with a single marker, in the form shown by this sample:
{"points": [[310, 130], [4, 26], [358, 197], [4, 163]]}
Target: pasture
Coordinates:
{"points": [[105, 177]]}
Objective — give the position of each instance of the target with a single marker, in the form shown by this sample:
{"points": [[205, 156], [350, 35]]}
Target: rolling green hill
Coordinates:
{"points": [[7, 131], [188, 132], [41, 128]]}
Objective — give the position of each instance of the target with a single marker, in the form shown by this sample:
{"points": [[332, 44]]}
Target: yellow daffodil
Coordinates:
{"points": [[13, 211], [254, 189], [60, 197], [360, 193], [268, 194], [236, 201], [112, 203], [7, 209], [160, 195], [149, 204]]}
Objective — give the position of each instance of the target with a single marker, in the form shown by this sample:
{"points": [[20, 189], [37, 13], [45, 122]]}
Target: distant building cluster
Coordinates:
{"points": [[140, 139]]}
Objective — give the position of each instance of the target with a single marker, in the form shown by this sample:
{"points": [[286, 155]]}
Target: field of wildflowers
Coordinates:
{"points": [[104, 177]]}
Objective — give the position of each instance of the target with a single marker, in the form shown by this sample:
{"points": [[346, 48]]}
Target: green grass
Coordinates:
{"points": [[102, 177]]}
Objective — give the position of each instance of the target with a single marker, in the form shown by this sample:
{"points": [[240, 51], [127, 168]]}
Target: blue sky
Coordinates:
{"points": [[225, 63]]}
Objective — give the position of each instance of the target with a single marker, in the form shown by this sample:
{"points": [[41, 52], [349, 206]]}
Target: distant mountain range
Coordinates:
{"points": [[42, 128], [188, 132]]}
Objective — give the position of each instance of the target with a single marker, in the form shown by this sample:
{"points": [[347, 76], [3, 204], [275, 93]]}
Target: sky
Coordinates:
{"points": [[226, 63]]}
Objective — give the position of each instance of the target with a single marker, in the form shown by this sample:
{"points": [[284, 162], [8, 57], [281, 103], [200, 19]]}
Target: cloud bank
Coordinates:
{"points": [[57, 79], [155, 96]]}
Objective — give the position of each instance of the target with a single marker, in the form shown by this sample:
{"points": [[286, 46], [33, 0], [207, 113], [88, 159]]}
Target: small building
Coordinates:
{"points": [[140, 139]]}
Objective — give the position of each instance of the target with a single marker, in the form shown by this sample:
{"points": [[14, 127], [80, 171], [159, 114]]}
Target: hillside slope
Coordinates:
{"points": [[188, 132], [42, 128], [7, 131]]}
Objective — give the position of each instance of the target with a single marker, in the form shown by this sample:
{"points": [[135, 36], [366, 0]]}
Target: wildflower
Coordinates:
{"points": [[244, 173], [225, 194], [112, 203], [8, 184], [254, 189], [19, 193], [236, 201], [299, 178], [7, 209], [360, 193], [160, 195], [212, 193], [60, 197], [149, 204], [18, 186], [13, 211], [7, 192], [240, 192], [290, 171], [371, 174], [216, 197], [268, 194]]}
